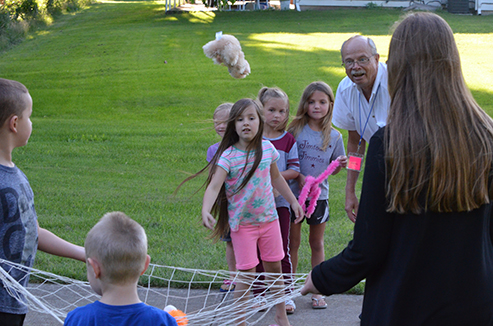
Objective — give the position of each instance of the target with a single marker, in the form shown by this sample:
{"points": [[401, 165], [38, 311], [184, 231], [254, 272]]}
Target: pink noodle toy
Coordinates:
{"points": [[312, 189]]}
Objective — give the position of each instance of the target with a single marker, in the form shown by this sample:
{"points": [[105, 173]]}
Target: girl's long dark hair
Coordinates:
{"points": [[220, 207]]}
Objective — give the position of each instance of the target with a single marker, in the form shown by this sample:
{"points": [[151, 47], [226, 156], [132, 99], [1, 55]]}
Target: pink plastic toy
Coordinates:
{"points": [[312, 189]]}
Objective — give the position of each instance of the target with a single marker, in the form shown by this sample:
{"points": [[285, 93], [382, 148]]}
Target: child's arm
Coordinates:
{"points": [[342, 164], [281, 185], [290, 174], [52, 244], [210, 197], [301, 180]]}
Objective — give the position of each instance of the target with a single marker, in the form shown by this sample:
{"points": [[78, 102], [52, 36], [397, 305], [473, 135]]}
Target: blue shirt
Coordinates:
{"points": [[100, 314]]}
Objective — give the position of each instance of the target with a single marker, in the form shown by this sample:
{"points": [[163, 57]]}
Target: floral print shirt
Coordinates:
{"points": [[254, 204]]}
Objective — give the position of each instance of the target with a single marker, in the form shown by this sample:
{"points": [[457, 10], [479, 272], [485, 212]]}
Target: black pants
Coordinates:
{"points": [[11, 319]]}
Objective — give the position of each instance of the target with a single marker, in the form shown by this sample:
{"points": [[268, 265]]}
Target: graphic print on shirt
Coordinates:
{"points": [[19, 224]]}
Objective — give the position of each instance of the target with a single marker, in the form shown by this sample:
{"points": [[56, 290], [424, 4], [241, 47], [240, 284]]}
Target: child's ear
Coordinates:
{"points": [[95, 267], [13, 123], [148, 261]]}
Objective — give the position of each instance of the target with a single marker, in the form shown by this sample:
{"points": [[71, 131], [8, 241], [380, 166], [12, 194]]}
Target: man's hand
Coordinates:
{"points": [[351, 206]]}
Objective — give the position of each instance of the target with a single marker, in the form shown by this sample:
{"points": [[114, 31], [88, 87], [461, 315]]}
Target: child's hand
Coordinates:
{"points": [[298, 212], [208, 220], [276, 193], [301, 181], [342, 160]]}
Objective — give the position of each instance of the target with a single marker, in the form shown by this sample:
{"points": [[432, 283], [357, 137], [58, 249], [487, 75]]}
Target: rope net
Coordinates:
{"points": [[194, 291]]}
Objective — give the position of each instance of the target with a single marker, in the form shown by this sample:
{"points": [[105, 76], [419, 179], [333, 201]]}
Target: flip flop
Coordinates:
{"points": [[317, 303]]}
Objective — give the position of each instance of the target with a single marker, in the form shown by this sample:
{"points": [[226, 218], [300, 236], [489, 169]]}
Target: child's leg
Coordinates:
{"points": [[285, 223], [259, 286], [228, 284], [316, 240], [242, 293], [245, 249], [230, 257], [270, 245], [278, 290], [294, 244], [286, 265]]}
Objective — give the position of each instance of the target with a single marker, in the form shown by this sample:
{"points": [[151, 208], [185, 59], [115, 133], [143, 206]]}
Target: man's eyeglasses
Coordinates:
{"points": [[361, 62]]}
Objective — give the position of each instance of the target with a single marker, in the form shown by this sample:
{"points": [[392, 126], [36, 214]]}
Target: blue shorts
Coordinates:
{"points": [[226, 237]]}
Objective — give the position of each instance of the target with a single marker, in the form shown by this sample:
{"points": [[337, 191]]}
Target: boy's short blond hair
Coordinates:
{"points": [[119, 244], [12, 99]]}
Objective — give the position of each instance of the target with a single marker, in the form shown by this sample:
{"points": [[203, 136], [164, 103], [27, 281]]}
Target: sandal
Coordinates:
{"points": [[319, 303], [290, 307], [260, 303], [227, 286]]}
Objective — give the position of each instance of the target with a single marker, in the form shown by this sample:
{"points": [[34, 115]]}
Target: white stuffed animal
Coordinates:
{"points": [[226, 50]]}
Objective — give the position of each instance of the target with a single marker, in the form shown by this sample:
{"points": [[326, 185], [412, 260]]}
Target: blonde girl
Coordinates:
{"points": [[318, 145], [239, 193], [275, 104], [220, 118]]}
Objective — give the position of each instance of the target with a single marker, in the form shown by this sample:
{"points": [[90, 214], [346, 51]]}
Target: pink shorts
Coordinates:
{"points": [[267, 236]]}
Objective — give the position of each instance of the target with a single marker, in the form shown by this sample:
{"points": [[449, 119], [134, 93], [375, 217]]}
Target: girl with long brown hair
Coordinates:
{"points": [[423, 236], [239, 193]]}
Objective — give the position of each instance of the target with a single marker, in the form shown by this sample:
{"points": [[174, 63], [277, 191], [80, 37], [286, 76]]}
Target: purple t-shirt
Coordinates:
{"points": [[211, 151]]}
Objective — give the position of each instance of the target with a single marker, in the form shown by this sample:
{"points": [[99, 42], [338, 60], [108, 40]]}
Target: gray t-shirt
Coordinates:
{"points": [[313, 160], [18, 232]]}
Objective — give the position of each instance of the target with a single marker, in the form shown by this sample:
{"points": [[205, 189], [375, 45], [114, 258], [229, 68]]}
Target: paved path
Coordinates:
{"points": [[343, 310]]}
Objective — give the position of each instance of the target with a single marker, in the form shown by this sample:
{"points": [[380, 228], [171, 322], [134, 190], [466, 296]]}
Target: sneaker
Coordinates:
{"points": [[227, 286]]}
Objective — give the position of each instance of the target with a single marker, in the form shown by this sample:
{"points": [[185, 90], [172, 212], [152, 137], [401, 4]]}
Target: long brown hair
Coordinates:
{"points": [[439, 142], [301, 119], [220, 207]]}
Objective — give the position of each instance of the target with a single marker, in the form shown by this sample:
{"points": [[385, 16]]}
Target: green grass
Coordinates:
{"points": [[117, 128]]}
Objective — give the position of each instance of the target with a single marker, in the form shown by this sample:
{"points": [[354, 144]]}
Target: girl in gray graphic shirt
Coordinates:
{"points": [[318, 145]]}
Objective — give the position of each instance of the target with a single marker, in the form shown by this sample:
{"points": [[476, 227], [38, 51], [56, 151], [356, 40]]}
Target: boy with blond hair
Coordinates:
{"points": [[116, 249], [20, 234]]}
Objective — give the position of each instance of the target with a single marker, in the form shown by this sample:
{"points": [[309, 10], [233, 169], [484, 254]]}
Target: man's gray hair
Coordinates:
{"points": [[371, 44]]}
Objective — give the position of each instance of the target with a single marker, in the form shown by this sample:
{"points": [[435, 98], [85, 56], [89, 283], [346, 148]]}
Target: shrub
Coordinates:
{"points": [[53, 7], [17, 17], [21, 9]]}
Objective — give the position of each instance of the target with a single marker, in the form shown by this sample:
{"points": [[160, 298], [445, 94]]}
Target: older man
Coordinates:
{"points": [[361, 106]]}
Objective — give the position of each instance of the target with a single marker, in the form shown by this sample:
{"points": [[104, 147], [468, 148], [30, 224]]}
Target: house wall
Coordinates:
{"points": [[351, 3], [480, 6]]}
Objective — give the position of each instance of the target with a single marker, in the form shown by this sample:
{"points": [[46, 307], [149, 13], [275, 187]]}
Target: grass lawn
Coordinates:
{"points": [[123, 100]]}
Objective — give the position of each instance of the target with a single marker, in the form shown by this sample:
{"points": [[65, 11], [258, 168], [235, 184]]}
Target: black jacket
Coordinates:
{"points": [[428, 269]]}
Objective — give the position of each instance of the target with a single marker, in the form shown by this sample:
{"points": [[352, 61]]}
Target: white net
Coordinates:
{"points": [[194, 291]]}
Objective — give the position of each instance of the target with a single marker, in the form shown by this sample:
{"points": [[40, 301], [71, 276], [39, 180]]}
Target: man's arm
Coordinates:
{"points": [[352, 176]]}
